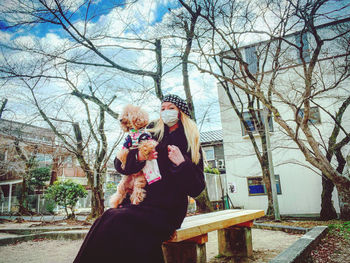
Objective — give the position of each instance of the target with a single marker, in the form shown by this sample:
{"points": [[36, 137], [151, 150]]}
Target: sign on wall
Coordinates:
{"points": [[232, 188]]}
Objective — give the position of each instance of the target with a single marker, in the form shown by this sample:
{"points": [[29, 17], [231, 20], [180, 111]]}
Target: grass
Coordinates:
{"points": [[342, 229], [219, 256]]}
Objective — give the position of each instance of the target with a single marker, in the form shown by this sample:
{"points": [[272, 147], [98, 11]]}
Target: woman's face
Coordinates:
{"points": [[169, 113]]}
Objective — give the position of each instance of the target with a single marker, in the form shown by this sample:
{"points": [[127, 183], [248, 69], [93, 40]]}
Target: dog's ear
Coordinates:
{"points": [[125, 117], [125, 124]]}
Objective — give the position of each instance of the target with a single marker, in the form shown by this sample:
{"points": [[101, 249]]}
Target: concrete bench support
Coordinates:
{"points": [[188, 251], [235, 241]]}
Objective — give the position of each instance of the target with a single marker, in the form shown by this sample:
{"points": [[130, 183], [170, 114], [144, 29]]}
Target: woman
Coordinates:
{"points": [[134, 233]]}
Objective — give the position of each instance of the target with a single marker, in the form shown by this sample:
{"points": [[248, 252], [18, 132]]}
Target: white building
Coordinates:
{"points": [[298, 183]]}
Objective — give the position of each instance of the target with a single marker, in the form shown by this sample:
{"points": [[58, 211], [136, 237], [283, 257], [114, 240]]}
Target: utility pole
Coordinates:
{"points": [[276, 209]]}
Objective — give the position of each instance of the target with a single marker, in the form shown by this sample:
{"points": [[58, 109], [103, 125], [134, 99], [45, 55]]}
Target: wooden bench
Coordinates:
{"points": [[234, 236]]}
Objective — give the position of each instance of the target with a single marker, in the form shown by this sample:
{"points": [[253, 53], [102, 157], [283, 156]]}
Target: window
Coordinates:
{"points": [[44, 159], [253, 124], [314, 117], [209, 153], [256, 185], [301, 40], [251, 59]]}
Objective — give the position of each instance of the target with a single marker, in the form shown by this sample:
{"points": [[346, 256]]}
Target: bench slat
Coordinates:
{"points": [[208, 215], [214, 221], [212, 218]]}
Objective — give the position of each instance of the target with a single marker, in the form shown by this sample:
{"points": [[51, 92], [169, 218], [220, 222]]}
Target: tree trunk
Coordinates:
{"points": [[54, 170], [343, 188], [203, 202], [158, 76], [66, 209], [327, 209], [2, 196], [97, 202], [2, 107], [23, 209], [266, 178], [72, 215]]}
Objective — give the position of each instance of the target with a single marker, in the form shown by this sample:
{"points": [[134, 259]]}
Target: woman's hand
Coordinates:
{"points": [[152, 155], [175, 155]]}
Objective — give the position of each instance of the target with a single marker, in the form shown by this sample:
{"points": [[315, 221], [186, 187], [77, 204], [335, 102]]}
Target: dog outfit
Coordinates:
{"points": [[132, 141]]}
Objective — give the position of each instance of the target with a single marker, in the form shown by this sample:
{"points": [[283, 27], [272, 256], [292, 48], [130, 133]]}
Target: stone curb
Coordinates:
{"points": [[287, 229], [299, 251], [59, 235], [28, 231]]}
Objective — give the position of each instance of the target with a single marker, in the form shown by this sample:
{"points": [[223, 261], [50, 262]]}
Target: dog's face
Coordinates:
{"points": [[139, 119], [133, 117]]}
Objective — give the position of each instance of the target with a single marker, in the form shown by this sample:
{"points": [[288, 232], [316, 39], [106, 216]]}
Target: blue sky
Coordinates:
{"points": [[96, 10]]}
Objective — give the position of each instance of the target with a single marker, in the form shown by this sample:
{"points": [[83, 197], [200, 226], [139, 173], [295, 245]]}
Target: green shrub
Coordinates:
{"points": [[39, 176], [111, 188], [211, 170], [50, 206], [66, 194]]}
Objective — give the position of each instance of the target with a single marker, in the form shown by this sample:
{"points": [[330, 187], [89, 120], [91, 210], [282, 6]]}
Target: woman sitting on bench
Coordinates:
{"points": [[134, 233]]}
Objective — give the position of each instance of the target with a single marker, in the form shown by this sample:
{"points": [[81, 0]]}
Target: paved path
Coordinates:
{"points": [[266, 243]]}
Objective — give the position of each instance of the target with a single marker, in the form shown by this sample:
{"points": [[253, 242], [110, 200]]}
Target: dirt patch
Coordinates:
{"points": [[333, 248], [41, 251]]}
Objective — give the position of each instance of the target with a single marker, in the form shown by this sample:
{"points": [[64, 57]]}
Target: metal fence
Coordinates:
{"points": [[38, 204]]}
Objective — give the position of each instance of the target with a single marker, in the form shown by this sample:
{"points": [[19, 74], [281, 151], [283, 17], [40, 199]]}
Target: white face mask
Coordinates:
{"points": [[170, 117]]}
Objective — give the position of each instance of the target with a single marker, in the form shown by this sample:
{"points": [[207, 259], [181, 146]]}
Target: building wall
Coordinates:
{"points": [[301, 183], [301, 187]]}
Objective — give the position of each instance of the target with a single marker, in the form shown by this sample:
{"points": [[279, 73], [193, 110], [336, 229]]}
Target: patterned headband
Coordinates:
{"points": [[180, 103]]}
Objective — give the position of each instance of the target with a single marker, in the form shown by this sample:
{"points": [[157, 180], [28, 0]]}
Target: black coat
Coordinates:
{"points": [[134, 233]]}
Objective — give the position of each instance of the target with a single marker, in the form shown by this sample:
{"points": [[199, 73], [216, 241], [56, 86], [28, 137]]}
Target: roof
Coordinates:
{"points": [[335, 22], [17, 124], [26, 131], [211, 136]]}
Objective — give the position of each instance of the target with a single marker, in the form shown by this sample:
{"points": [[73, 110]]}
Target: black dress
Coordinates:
{"points": [[134, 233]]}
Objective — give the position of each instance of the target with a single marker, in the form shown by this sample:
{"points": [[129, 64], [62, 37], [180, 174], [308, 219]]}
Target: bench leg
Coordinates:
{"points": [[189, 251], [235, 241]]}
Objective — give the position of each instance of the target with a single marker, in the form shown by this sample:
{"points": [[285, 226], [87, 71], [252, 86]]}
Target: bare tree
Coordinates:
{"points": [[85, 50], [283, 27], [239, 105], [77, 140], [84, 43], [184, 23]]}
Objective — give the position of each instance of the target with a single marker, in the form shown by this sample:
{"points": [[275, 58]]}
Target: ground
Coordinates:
{"points": [[266, 243], [334, 248]]}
